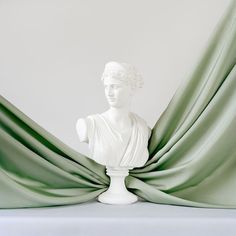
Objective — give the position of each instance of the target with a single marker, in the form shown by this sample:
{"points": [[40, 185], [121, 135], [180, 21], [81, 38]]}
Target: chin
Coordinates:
{"points": [[112, 103], [116, 104]]}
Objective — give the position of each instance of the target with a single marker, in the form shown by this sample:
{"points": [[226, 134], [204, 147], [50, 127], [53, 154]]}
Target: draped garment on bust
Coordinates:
{"points": [[112, 147]]}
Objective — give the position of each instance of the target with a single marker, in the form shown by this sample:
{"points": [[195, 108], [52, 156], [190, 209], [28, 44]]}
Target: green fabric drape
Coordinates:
{"points": [[192, 148]]}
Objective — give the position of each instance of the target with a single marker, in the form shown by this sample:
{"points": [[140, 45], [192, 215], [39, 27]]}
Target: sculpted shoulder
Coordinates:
{"points": [[82, 127], [144, 123]]}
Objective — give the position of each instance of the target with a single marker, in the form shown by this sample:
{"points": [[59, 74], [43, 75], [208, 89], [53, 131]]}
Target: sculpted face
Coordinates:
{"points": [[118, 93]]}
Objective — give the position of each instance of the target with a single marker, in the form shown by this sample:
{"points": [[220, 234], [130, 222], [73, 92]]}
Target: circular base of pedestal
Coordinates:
{"points": [[109, 197]]}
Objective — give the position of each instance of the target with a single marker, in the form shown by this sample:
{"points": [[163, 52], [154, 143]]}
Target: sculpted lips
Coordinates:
{"points": [[111, 99]]}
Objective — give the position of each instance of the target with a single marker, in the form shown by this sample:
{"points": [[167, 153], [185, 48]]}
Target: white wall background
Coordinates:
{"points": [[52, 54]]}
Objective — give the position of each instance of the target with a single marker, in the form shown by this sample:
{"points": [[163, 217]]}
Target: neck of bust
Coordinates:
{"points": [[119, 113]]}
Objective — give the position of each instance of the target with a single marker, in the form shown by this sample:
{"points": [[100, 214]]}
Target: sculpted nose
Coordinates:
{"points": [[110, 92]]}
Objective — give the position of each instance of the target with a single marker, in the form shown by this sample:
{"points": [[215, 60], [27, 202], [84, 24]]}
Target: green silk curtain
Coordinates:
{"points": [[192, 147]]}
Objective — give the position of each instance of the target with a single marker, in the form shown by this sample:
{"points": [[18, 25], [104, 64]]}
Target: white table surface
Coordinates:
{"points": [[94, 218]]}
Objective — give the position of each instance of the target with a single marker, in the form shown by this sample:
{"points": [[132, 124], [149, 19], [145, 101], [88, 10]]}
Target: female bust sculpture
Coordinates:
{"points": [[117, 137]]}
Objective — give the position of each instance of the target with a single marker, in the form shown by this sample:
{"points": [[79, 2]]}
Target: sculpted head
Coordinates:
{"points": [[120, 82]]}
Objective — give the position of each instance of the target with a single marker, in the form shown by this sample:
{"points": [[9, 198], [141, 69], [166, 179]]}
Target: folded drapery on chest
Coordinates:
{"points": [[112, 147]]}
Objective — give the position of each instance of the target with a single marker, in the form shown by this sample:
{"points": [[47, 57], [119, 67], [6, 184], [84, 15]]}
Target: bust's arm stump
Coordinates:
{"points": [[81, 128]]}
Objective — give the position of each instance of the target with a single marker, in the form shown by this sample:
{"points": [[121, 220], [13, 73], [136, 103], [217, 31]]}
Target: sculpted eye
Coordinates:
{"points": [[112, 86]]}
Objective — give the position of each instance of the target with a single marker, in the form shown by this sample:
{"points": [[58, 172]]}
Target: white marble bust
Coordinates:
{"points": [[117, 138]]}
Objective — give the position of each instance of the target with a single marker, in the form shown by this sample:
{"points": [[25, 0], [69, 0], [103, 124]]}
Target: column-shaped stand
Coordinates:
{"points": [[117, 192]]}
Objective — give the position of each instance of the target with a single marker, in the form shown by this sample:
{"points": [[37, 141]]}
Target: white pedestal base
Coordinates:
{"points": [[117, 192]]}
